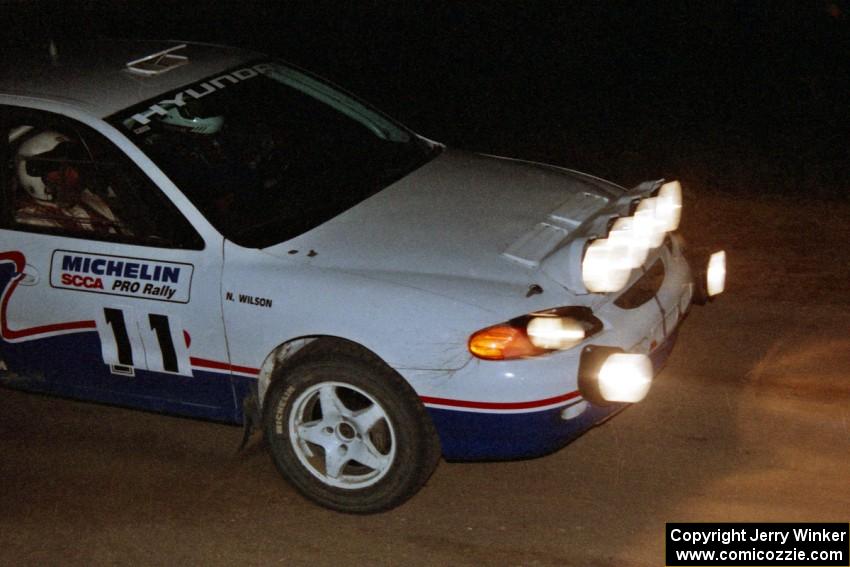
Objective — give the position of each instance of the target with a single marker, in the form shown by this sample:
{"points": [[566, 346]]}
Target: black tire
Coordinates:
{"points": [[315, 447]]}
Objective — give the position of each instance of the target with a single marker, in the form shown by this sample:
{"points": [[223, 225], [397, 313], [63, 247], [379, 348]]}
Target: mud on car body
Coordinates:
{"points": [[208, 232]]}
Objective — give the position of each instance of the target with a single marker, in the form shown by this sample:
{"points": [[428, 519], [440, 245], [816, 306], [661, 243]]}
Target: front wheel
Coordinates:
{"points": [[350, 435]]}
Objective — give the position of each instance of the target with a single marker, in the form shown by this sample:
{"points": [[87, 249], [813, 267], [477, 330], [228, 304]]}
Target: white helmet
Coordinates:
{"points": [[41, 156]]}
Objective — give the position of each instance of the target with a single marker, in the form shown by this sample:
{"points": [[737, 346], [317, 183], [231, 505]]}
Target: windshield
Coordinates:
{"points": [[267, 152]]}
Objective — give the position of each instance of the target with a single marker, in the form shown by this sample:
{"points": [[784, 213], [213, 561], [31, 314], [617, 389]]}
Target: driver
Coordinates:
{"points": [[192, 142], [49, 166]]}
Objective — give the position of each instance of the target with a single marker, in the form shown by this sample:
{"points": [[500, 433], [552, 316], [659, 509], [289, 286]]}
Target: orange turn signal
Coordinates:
{"points": [[501, 342]]}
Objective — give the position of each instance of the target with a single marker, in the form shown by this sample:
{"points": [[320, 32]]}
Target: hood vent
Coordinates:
{"points": [[533, 246]]}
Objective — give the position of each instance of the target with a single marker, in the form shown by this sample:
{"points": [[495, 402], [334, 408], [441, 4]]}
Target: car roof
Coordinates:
{"points": [[94, 76]]}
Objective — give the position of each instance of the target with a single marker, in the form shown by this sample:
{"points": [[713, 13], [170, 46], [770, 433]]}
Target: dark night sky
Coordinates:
{"points": [[725, 95]]}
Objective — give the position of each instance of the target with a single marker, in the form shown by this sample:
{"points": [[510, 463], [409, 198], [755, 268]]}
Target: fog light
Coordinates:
{"points": [[629, 249], [555, 332], [668, 209], [715, 275], [625, 377], [600, 270], [648, 226]]}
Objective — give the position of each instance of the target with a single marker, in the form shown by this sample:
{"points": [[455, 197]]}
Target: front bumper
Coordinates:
{"points": [[527, 408], [506, 434]]}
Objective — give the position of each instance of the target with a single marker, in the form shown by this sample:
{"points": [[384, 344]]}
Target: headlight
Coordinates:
{"points": [[649, 226], [535, 334], [629, 250], [709, 276], [660, 214], [668, 208], [625, 377], [555, 333], [607, 374], [602, 268], [608, 262], [715, 275]]}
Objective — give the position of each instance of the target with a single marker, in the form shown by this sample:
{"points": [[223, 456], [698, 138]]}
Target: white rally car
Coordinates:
{"points": [[208, 232]]}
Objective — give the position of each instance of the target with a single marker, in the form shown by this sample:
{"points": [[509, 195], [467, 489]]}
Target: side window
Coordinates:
{"points": [[65, 179]]}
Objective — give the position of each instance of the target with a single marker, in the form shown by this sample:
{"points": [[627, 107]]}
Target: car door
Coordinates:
{"points": [[110, 294]]}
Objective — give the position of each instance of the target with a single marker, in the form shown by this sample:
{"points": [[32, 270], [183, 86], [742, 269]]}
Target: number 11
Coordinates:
{"points": [[161, 328]]}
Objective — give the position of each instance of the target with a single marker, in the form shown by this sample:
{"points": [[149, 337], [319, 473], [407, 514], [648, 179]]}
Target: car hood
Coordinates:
{"points": [[462, 225]]}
